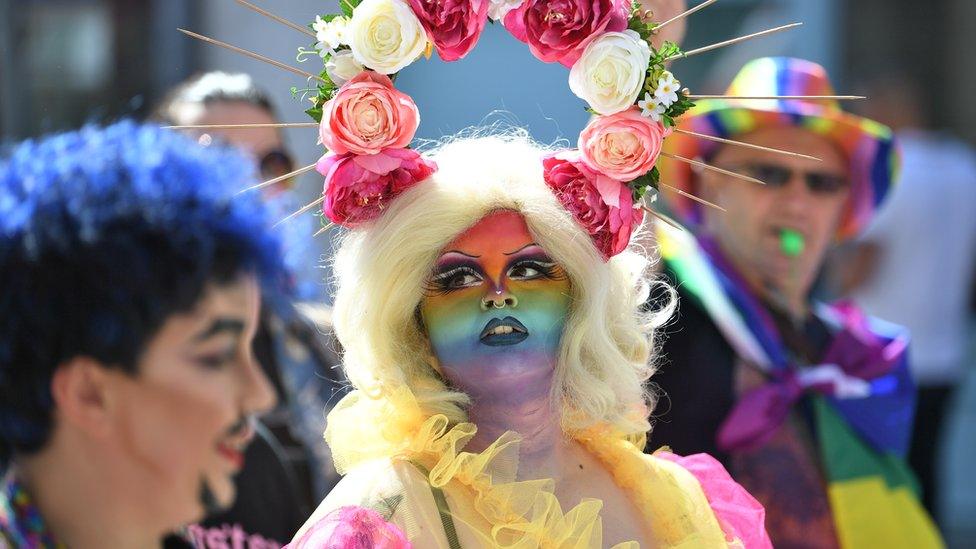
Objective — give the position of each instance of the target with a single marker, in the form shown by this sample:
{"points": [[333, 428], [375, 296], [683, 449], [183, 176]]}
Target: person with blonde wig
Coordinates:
{"points": [[498, 360]]}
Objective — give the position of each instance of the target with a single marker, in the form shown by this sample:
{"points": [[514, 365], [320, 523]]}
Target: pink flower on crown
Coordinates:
{"points": [[368, 115], [454, 26], [601, 205], [559, 30], [359, 187], [624, 145], [353, 527]]}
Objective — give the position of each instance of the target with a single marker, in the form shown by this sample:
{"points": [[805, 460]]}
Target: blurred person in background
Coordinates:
{"points": [[130, 285], [216, 98], [808, 405], [291, 467], [916, 263]]}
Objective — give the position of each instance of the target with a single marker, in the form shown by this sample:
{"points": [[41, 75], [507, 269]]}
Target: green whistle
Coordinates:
{"points": [[791, 242]]}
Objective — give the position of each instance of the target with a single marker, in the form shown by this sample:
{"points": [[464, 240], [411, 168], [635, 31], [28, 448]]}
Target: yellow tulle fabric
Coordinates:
{"points": [[495, 510]]}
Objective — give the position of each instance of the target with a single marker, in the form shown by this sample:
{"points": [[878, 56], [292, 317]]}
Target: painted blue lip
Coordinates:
{"points": [[518, 335]]}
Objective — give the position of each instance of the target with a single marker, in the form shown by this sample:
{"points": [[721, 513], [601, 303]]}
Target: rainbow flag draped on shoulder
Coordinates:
{"points": [[863, 398]]}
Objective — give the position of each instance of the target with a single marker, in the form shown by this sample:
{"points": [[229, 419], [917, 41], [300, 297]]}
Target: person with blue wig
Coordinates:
{"points": [[294, 343], [130, 284]]}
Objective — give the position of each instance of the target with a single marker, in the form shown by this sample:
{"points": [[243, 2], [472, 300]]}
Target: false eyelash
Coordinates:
{"points": [[547, 269], [437, 284]]}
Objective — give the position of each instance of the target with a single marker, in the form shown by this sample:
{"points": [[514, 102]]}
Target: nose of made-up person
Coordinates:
{"points": [[498, 297]]}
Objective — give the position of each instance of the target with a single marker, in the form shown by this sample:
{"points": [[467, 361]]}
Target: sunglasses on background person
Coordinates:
{"points": [[775, 176], [270, 164], [276, 163]]}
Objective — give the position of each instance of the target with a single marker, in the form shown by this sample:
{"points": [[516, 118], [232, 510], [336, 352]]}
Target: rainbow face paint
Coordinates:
{"points": [[494, 310]]}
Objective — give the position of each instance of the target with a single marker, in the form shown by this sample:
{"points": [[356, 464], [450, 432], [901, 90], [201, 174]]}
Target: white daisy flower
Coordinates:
{"points": [[651, 107], [330, 34], [667, 89], [647, 104]]}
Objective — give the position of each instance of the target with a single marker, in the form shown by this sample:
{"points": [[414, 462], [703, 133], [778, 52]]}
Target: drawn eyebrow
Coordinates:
{"points": [[530, 244], [221, 325], [460, 253]]}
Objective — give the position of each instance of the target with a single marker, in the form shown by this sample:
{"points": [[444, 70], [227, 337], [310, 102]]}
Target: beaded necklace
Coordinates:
{"points": [[21, 523]]}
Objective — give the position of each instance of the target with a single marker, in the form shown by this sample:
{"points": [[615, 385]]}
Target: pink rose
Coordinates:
{"points": [[601, 205], [368, 115], [623, 146], [353, 527], [559, 30], [454, 26], [358, 187]]}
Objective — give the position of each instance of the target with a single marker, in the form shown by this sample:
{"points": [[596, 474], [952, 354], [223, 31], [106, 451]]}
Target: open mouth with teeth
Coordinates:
{"points": [[505, 331]]}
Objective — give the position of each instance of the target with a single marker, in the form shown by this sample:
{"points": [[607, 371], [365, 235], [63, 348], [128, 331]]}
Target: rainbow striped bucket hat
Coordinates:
{"points": [[868, 145]]}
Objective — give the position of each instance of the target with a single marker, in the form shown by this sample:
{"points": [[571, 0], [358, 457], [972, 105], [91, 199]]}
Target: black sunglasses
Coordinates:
{"points": [[778, 176], [276, 163]]}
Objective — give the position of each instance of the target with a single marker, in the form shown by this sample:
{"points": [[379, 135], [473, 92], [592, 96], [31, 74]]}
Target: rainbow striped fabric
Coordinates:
{"points": [[862, 441], [868, 145]]}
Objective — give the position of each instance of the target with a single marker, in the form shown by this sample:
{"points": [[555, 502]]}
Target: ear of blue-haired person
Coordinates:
{"points": [[105, 234]]}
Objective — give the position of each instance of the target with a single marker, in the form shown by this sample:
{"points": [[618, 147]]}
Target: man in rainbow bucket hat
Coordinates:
{"points": [[808, 405]]}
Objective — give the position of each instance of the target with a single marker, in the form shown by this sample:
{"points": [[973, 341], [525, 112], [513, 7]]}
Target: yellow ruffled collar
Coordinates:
{"points": [[522, 514]]}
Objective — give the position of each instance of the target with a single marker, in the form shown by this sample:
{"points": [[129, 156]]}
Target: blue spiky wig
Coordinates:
{"points": [[104, 234]]}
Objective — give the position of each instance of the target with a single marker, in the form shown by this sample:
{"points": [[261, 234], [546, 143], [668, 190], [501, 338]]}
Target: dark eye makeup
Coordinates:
{"points": [[457, 275], [534, 267], [454, 276]]}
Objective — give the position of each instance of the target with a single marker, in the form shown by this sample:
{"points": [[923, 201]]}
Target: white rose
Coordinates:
{"points": [[610, 73], [500, 8], [385, 35], [342, 67]]}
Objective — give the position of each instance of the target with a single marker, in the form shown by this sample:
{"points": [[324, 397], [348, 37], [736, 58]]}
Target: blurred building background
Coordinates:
{"points": [[67, 62]]}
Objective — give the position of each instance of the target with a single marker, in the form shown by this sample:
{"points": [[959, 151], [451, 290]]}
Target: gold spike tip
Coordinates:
{"points": [[280, 178], [716, 139], [681, 16], [709, 167], [251, 54], [323, 230], [663, 218], [726, 43], [302, 210], [241, 126], [693, 197], [781, 97], [276, 18]]}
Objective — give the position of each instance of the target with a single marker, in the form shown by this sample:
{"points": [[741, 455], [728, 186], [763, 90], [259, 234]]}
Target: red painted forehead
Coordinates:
{"points": [[497, 233]]}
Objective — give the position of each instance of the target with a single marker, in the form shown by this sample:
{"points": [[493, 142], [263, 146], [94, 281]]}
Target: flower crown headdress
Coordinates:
{"points": [[366, 124]]}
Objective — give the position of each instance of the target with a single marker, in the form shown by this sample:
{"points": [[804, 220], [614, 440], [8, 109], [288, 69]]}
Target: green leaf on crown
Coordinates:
{"points": [[348, 6], [649, 180], [637, 23], [315, 113], [679, 107]]}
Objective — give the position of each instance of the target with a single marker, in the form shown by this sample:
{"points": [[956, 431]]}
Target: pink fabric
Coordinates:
{"points": [[739, 514], [352, 527]]}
